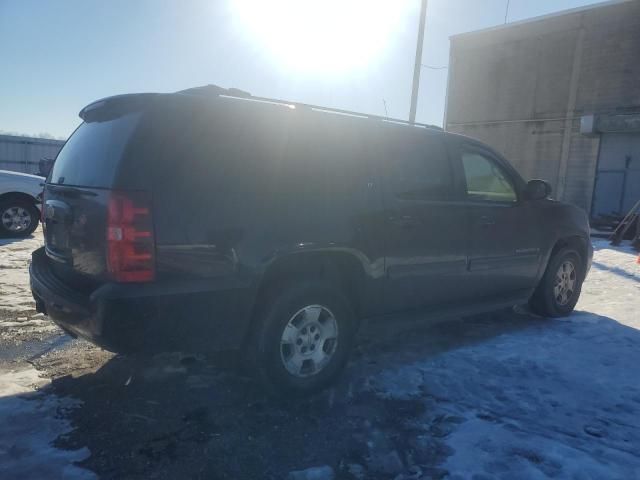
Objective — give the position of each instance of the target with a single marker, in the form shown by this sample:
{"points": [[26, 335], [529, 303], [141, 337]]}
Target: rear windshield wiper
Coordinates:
{"points": [[71, 189]]}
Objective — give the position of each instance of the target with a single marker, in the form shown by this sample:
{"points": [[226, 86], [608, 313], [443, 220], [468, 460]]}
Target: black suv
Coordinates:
{"points": [[210, 219]]}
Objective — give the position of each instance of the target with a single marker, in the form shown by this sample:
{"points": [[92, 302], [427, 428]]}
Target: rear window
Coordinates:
{"points": [[91, 157]]}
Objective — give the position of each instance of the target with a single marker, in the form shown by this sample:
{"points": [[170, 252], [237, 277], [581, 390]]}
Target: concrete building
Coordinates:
{"points": [[27, 154], [559, 96]]}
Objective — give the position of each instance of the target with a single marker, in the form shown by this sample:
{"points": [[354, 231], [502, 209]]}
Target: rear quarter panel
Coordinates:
{"points": [[242, 187]]}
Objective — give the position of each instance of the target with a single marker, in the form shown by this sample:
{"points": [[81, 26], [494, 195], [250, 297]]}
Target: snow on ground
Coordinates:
{"points": [[14, 278], [31, 421], [559, 400], [30, 418], [18, 318], [613, 285]]}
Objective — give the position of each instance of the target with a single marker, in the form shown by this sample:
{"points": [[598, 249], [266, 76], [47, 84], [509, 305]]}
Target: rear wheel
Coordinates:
{"points": [[559, 289], [18, 218], [302, 339]]}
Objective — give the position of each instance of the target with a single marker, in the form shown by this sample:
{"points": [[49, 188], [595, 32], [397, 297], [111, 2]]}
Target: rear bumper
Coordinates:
{"points": [[197, 316]]}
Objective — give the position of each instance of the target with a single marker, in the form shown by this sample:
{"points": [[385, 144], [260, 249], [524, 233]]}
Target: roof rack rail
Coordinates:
{"points": [[212, 89], [341, 111], [241, 94]]}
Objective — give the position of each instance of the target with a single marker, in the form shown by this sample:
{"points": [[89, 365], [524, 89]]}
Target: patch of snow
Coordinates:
{"points": [[14, 382], [613, 284], [18, 319], [314, 473], [14, 274], [31, 421], [503, 452]]}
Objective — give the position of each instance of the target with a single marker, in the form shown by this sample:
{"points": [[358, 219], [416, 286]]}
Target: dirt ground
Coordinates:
{"points": [[504, 395]]}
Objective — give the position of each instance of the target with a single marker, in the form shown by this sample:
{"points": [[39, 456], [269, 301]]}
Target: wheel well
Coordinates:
{"points": [[18, 196], [574, 242], [341, 269]]}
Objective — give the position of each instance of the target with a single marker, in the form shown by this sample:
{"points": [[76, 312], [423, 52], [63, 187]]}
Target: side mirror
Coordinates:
{"points": [[537, 190]]}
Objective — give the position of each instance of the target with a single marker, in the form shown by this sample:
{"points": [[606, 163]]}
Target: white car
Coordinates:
{"points": [[20, 200]]}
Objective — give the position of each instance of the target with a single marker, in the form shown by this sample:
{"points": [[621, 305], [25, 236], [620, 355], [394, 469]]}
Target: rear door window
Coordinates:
{"points": [[93, 154], [417, 168]]}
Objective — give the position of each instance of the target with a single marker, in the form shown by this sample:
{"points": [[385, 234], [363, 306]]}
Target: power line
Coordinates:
{"points": [[506, 12]]}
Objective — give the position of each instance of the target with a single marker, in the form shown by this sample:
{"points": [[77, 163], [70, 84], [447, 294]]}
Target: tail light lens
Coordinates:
{"points": [[130, 242]]}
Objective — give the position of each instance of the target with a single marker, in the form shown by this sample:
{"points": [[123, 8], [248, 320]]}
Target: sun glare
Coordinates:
{"points": [[326, 36]]}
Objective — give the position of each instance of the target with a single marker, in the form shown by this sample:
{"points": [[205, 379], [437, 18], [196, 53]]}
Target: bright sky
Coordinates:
{"points": [[57, 57]]}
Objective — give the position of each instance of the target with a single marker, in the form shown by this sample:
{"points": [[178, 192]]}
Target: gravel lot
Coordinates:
{"points": [[507, 395]]}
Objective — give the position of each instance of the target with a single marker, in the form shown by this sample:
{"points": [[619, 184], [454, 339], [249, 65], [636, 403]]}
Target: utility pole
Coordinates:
{"points": [[418, 65]]}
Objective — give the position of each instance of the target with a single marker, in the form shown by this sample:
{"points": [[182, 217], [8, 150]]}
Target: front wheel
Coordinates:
{"points": [[18, 218], [303, 334], [559, 289]]}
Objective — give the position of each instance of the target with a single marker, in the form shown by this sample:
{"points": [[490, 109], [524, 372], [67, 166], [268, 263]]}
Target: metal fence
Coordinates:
{"points": [[27, 154]]}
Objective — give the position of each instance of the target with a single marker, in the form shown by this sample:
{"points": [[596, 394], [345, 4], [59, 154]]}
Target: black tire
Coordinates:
{"points": [[30, 208], [265, 353], [544, 301]]}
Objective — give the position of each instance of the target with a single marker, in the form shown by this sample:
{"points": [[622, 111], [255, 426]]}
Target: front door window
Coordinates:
{"points": [[485, 180]]}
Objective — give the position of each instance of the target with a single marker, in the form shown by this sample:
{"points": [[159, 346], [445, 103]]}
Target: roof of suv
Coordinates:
{"points": [[213, 91]]}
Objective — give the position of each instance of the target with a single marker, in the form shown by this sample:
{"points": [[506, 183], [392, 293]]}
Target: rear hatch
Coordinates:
{"points": [[96, 210]]}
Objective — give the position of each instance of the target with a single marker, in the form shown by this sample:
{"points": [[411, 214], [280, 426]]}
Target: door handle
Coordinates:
{"points": [[486, 221]]}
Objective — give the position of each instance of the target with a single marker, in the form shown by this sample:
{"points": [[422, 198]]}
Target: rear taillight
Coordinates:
{"points": [[130, 243]]}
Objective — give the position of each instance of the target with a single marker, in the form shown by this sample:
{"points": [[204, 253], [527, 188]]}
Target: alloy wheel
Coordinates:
{"points": [[565, 282], [309, 341], [16, 219]]}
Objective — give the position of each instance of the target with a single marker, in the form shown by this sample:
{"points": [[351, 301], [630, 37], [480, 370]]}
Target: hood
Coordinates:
{"points": [[19, 175], [20, 183]]}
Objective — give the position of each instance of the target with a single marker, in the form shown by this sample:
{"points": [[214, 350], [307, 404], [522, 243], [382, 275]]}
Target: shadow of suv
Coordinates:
{"points": [[209, 219]]}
